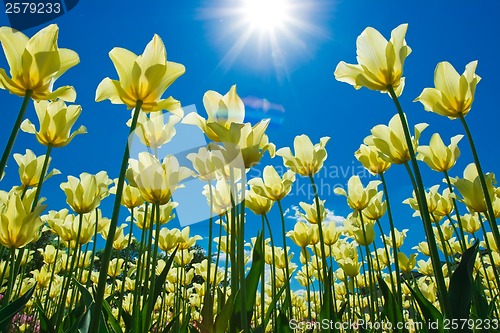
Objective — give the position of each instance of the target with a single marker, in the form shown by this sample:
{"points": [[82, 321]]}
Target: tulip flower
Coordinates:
{"points": [[311, 213], [470, 223], [438, 156], [301, 234], [399, 237], [453, 93], [223, 110], [380, 62], [19, 225], [257, 203], [157, 181], [30, 168], [142, 78], [249, 142], [168, 239], [308, 159], [407, 264], [152, 131], [83, 194], [376, 207], [350, 266], [35, 63], [221, 196], [359, 196], [471, 190], [369, 156], [56, 120], [390, 140], [272, 185], [364, 237], [66, 226], [184, 241], [209, 163], [131, 197]]}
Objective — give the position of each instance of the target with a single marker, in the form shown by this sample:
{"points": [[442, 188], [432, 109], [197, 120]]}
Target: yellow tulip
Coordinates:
{"points": [[48, 254], [142, 78], [308, 159], [19, 226], [453, 93], [84, 194], [391, 142], [358, 197], [438, 156], [245, 141], [376, 207], [272, 185], [407, 264], [185, 242], [131, 197], [115, 267], [366, 237], [470, 188], [209, 163], [157, 181], [380, 62], [223, 110], [301, 234], [152, 131], [399, 237], [470, 223], [221, 196], [35, 63], [30, 168], [331, 233], [350, 266], [423, 248], [369, 156], [56, 120], [168, 239], [425, 267], [66, 226], [257, 203], [311, 213]]}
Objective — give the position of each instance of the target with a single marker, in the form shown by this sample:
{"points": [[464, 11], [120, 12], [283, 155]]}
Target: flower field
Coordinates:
{"points": [[128, 270]]}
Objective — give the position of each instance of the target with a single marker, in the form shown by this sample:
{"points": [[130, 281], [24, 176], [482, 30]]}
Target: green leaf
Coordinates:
{"points": [[185, 323], [222, 319], [429, 311], [479, 309], [461, 289], [157, 289], [283, 323], [171, 324], [46, 325], [251, 284], [327, 311], [391, 310], [10, 310], [114, 325], [207, 312]]}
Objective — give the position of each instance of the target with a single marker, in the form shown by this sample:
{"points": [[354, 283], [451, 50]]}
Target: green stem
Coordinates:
{"points": [[491, 214], [287, 270], [457, 213], [15, 130], [422, 204], [101, 286], [241, 254], [12, 277], [42, 177], [393, 236], [273, 270]]}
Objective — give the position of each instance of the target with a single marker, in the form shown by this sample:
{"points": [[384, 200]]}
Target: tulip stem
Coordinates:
{"points": [[42, 177], [273, 270], [459, 220], [15, 130], [394, 243], [491, 214], [12, 276], [424, 210], [287, 270], [101, 286]]}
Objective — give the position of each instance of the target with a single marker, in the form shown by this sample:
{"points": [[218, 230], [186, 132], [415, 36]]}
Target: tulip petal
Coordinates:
{"points": [[67, 59], [13, 44], [109, 89], [123, 60], [65, 93], [211, 101]]}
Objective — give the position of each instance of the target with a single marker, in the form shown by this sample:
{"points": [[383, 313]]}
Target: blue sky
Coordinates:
{"points": [[298, 75]]}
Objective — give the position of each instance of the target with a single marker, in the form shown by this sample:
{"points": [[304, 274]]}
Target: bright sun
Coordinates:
{"points": [[266, 15]]}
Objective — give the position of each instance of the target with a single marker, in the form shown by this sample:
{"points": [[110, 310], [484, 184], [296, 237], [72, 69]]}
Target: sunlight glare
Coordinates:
{"points": [[265, 14]]}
